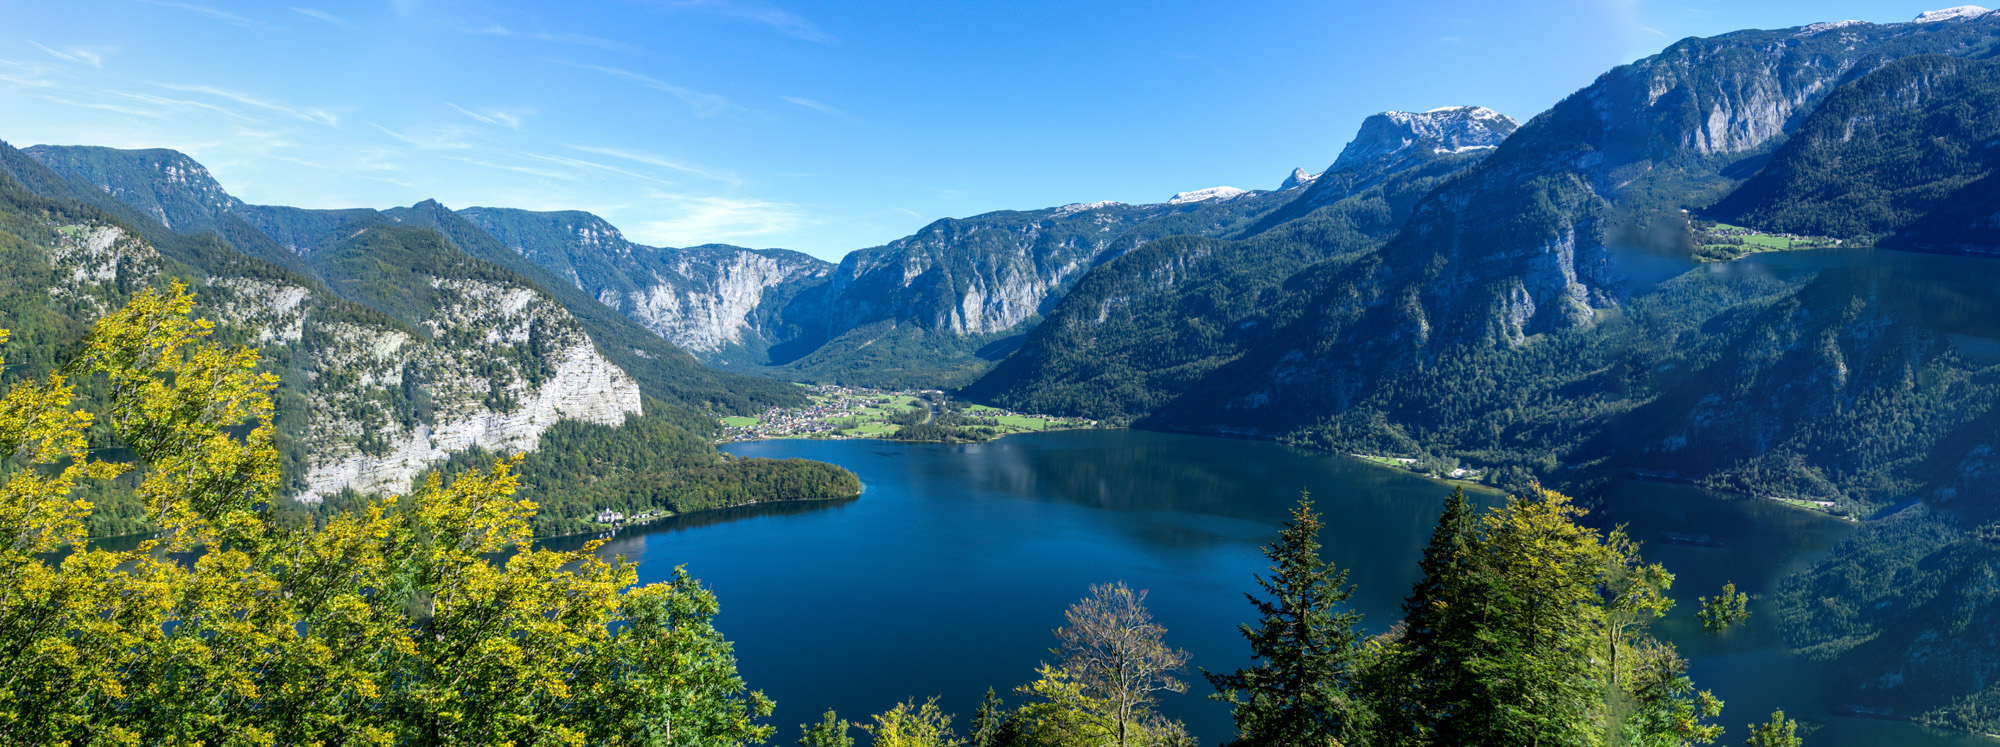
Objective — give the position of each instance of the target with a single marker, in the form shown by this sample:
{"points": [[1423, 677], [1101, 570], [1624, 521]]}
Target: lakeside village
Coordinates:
{"points": [[1721, 242], [858, 412]]}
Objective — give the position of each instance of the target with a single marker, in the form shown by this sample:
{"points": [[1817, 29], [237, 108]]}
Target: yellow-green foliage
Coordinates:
{"points": [[392, 624], [912, 725]]}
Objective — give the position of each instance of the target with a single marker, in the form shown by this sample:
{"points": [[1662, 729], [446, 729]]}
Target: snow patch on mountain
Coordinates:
{"points": [[1082, 207], [1820, 28], [1960, 13], [1205, 195], [1389, 137], [1299, 178]]}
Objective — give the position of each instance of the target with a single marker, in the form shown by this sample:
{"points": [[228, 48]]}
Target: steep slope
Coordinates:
{"points": [[715, 300], [1881, 154], [1141, 329], [292, 237], [1564, 220], [1390, 143], [443, 354]]}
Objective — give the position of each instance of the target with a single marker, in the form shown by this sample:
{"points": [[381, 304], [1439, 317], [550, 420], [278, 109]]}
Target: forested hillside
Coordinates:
{"points": [[396, 349], [1540, 316], [1883, 154]]}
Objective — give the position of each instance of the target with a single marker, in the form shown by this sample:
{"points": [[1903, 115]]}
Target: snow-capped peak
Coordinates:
{"points": [[1960, 13], [1816, 28], [1388, 138], [1204, 195], [1299, 178], [1081, 207]]}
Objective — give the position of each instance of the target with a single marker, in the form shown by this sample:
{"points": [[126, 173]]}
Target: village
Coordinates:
{"points": [[858, 412], [1721, 241]]}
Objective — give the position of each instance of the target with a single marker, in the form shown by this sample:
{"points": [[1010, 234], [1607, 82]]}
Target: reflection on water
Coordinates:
{"points": [[948, 574]]}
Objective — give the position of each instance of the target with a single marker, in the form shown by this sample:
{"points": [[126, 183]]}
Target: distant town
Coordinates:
{"points": [[858, 412]]}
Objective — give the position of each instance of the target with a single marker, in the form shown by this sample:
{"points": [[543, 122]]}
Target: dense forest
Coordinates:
{"points": [[649, 465], [1880, 155]]}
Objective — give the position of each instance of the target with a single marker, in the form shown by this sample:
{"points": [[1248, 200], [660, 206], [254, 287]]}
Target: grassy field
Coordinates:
{"points": [[1023, 422], [872, 414], [1761, 242]]}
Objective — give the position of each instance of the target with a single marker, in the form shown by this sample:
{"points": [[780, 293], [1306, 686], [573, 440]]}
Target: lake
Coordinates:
{"points": [[950, 571]]}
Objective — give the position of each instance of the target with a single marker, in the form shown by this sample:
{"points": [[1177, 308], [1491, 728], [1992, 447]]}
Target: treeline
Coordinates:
{"points": [[950, 421], [649, 464], [1527, 628]]}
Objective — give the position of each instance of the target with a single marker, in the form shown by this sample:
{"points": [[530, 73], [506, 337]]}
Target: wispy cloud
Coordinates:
{"points": [[779, 20], [163, 101], [530, 170], [494, 29], [653, 160], [321, 15], [594, 166], [32, 74], [100, 106], [79, 55], [446, 137], [821, 108], [700, 219], [319, 116], [500, 117], [219, 15], [704, 104], [907, 211]]}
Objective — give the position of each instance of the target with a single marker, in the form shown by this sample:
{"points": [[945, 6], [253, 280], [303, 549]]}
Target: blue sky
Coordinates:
{"points": [[822, 127]]}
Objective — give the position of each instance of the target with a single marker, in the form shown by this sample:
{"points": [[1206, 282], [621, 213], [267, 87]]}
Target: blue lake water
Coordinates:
{"points": [[950, 571]]}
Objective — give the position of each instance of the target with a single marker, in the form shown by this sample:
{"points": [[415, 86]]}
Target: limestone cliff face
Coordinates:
{"points": [[962, 276], [498, 366], [704, 299], [94, 261], [708, 300], [493, 366]]}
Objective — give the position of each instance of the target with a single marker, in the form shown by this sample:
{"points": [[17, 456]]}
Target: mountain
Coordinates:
{"points": [[1141, 329], [1889, 158], [397, 349], [715, 300], [1560, 226], [1539, 315], [935, 308], [294, 238], [1387, 144]]}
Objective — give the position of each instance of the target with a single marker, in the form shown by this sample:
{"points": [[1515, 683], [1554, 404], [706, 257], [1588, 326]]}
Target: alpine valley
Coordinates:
{"points": [[1539, 301]]}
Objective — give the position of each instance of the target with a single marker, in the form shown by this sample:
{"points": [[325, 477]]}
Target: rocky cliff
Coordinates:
{"points": [[706, 299]]}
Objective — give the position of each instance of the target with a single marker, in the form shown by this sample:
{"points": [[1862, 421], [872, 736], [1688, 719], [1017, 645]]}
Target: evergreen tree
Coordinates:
{"points": [[1426, 683], [1301, 690], [987, 721]]}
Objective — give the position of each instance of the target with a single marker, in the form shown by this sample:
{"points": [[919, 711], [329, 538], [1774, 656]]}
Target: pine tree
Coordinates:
{"points": [[1301, 691], [986, 722], [1427, 684]]}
